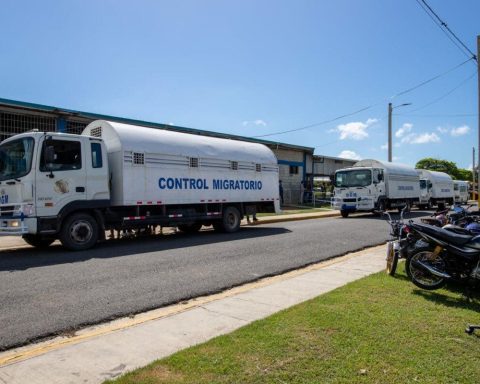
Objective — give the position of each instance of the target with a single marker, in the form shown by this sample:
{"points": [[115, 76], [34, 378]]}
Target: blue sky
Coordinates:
{"points": [[256, 68]]}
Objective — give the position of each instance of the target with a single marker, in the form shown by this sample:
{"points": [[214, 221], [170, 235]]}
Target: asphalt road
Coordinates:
{"points": [[54, 291]]}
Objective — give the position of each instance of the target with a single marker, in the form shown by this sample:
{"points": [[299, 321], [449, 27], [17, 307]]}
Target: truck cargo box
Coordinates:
{"points": [[161, 167]]}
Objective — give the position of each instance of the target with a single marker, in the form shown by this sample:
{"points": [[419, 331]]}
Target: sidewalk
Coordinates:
{"points": [[106, 351]]}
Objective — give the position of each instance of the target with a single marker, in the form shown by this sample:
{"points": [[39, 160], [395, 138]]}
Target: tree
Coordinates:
{"points": [[446, 166]]}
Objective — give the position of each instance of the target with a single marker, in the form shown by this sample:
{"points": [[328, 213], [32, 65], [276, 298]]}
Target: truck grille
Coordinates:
{"points": [[7, 210], [349, 200]]}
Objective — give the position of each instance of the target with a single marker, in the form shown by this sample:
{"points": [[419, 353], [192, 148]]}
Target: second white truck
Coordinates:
{"points": [[371, 185]]}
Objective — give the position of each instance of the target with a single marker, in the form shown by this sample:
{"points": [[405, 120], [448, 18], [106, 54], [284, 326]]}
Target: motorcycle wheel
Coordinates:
{"points": [[421, 277], [392, 259]]}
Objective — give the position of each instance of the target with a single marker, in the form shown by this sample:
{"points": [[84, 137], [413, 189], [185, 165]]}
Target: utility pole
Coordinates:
{"points": [[390, 109], [478, 118], [390, 132], [473, 173]]}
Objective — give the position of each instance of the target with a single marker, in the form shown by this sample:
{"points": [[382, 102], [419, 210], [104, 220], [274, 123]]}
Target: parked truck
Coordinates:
{"points": [[372, 185], [124, 177], [460, 189], [436, 189]]}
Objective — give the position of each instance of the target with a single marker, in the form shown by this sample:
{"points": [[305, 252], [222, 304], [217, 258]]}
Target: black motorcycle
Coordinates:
{"points": [[444, 256]]}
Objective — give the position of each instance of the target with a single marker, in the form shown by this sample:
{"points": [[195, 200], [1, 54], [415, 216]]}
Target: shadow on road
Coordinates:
{"points": [[395, 215], [25, 258]]}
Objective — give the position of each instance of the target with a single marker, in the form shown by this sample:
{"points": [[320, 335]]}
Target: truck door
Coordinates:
{"points": [[63, 179], [97, 171]]}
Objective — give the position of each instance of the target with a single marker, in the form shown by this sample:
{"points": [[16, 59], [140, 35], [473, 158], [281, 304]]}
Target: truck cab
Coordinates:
{"points": [[357, 188], [45, 178]]}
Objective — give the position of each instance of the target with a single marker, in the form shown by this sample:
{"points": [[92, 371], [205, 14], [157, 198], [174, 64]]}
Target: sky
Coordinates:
{"points": [[313, 73]]}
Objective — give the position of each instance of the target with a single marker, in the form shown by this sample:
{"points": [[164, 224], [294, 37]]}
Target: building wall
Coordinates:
{"points": [[326, 166], [292, 168]]}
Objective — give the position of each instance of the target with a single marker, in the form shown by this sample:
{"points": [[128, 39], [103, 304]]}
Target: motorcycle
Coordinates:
{"points": [[401, 242], [445, 256]]}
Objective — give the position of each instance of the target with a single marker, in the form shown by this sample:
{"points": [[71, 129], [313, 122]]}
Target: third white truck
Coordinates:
{"points": [[436, 189]]}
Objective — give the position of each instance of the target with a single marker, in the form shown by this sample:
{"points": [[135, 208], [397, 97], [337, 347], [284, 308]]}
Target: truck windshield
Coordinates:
{"points": [[354, 178], [423, 184], [16, 158]]}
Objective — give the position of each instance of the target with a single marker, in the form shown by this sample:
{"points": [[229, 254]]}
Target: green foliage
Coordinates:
{"points": [[446, 166], [376, 330]]}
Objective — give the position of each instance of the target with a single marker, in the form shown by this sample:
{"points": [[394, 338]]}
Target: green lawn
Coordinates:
{"points": [[376, 330]]}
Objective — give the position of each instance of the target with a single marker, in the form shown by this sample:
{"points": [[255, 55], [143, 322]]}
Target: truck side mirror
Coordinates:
{"points": [[49, 154], [49, 160], [380, 177]]}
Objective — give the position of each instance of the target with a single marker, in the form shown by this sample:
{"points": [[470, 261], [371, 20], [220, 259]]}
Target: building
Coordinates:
{"points": [[295, 162]]}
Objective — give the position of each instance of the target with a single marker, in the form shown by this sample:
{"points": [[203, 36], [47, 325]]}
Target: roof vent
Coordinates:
{"points": [[96, 132], [138, 158]]}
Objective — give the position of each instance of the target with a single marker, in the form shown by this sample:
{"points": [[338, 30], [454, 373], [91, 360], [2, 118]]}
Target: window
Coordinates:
{"points": [[67, 155], [96, 155], [293, 169], [16, 158]]}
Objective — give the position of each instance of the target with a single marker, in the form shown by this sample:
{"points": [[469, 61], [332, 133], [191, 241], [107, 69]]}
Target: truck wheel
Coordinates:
{"points": [[79, 232], [231, 219], [189, 228], [344, 213], [38, 241]]}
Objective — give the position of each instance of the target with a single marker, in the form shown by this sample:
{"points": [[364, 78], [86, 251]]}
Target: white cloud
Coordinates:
{"points": [[460, 131], [384, 147], [406, 128], [422, 138], [346, 154], [254, 122], [442, 130], [355, 130]]}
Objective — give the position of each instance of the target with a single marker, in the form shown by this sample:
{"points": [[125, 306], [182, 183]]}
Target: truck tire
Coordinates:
{"points": [[189, 228], [79, 232], [344, 213], [38, 241], [231, 219]]}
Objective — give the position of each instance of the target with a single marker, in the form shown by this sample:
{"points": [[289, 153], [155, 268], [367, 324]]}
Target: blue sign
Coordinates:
{"points": [[4, 199]]}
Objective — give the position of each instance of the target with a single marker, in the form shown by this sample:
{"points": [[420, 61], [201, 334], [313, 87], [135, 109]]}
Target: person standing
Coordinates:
{"points": [[280, 190], [302, 191]]}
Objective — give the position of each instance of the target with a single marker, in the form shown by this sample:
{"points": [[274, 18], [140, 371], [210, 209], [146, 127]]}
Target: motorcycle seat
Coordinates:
{"points": [[443, 234]]}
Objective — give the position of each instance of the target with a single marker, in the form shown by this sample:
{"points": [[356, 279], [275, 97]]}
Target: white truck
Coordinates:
{"points": [[124, 177], [371, 185], [436, 189], [460, 189]]}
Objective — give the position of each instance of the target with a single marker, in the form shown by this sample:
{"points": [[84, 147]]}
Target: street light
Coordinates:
{"points": [[390, 109]]}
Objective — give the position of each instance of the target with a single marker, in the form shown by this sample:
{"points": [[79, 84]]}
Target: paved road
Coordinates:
{"points": [[52, 292]]}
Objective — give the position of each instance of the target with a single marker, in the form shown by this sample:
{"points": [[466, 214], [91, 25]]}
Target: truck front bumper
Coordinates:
{"points": [[14, 220], [359, 204]]}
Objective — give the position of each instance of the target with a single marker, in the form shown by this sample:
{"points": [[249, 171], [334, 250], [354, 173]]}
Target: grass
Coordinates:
{"points": [[375, 330]]}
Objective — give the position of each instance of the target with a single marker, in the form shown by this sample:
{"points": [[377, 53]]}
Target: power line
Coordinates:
{"points": [[445, 29], [438, 115], [368, 107], [446, 94]]}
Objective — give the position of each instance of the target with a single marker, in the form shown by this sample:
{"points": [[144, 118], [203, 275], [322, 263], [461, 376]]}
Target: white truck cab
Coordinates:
{"points": [[45, 176], [460, 189], [371, 185]]}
